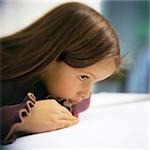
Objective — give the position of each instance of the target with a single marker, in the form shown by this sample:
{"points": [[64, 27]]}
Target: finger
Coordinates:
{"points": [[65, 110], [67, 123], [67, 117]]}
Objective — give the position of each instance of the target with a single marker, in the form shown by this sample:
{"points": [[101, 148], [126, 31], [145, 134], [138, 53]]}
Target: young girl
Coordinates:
{"points": [[48, 69]]}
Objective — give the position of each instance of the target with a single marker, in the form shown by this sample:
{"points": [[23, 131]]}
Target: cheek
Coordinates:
{"points": [[65, 88]]}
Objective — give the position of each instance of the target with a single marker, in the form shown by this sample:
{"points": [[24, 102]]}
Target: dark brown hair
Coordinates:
{"points": [[73, 33]]}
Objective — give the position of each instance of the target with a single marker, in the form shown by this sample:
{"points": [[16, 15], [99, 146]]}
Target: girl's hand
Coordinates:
{"points": [[46, 115]]}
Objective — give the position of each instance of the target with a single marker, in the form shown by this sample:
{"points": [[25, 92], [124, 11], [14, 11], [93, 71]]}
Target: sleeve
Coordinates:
{"points": [[80, 107], [12, 115]]}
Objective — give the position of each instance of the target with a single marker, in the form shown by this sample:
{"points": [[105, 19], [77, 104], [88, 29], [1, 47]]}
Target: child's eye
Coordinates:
{"points": [[83, 77]]}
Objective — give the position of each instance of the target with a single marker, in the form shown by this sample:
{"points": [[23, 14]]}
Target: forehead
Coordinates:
{"points": [[105, 64]]}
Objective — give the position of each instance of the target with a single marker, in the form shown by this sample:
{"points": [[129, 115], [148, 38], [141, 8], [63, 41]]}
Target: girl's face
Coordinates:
{"points": [[75, 84]]}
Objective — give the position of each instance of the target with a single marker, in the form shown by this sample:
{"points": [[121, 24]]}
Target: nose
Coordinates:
{"points": [[84, 93]]}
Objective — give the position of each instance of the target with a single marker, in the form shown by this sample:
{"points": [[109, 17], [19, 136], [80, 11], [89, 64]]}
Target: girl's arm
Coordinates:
{"points": [[13, 114], [34, 117]]}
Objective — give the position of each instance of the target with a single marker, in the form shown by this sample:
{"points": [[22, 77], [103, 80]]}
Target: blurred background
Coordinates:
{"points": [[129, 18]]}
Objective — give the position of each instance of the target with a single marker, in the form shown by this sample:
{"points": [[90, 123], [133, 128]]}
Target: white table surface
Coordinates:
{"points": [[114, 121]]}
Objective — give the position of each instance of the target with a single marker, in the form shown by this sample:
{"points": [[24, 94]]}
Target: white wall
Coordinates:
{"points": [[17, 14]]}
